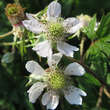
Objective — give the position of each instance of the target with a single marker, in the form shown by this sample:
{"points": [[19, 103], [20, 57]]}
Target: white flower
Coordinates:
{"points": [[56, 30], [55, 82]]}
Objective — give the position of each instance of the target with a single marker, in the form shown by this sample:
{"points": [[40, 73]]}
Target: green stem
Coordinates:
{"points": [[12, 43], [82, 48]]}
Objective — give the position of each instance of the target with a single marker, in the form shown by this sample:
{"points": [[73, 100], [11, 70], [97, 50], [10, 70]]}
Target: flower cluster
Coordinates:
{"points": [[54, 80], [56, 30]]}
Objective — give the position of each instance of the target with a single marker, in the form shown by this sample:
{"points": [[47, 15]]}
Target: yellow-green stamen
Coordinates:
{"points": [[56, 30], [57, 81]]}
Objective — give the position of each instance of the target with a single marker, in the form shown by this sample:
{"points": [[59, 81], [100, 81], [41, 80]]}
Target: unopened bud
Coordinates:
{"points": [[85, 19]]}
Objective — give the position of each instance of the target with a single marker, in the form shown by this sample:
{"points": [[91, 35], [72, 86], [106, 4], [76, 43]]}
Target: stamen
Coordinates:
{"points": [[55, 31], [57, 80]]}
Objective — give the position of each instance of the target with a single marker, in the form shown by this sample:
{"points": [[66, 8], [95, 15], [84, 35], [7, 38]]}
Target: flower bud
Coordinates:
{"points": [[15, 13], [85, 19]]}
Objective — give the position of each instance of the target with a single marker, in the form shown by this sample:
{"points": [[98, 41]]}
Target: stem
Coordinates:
{"points": [[106, 93], [100, 96], [90, 71], [7, 34], [82, 48], [12, 43]]}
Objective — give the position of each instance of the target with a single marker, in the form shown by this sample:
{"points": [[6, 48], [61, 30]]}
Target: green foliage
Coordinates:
{"points": [[89, 30], [108, 78], [99, 50], [104, 27], [13, 89]]}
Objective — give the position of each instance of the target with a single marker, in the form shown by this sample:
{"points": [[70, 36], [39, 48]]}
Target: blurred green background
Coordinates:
{"points": [[13, 78]]}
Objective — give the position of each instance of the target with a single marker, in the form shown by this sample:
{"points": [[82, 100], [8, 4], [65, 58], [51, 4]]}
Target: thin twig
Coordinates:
{"points": [[100, 96], [82, 48], [106, 92], [90, 72], [7, 34]]}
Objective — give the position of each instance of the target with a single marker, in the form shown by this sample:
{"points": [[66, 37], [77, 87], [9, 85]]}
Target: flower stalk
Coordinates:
{"points": [[82, 48], [106, 92], [7, 34], [100, 97], [13, 43]]}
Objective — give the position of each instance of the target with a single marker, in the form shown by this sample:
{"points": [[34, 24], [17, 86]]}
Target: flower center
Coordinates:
{"points": [[56, 31], [57, 81]]}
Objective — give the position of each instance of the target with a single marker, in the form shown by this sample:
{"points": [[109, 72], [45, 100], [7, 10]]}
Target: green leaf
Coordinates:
{"points": [[98, 47], [90, 29], [104, 27], [96, 58], [90, 79]]}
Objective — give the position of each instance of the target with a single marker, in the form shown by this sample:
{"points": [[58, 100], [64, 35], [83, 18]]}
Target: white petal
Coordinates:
{"points": [[70, 22], [54, 101], [66, 49], [75, 28], [35, 91], [43, 49], [30, 16], [73, 95], [54, 60], [34, 68], [34, 26], [74, 69], [54, 10], [72, 25], [46, 98]]}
